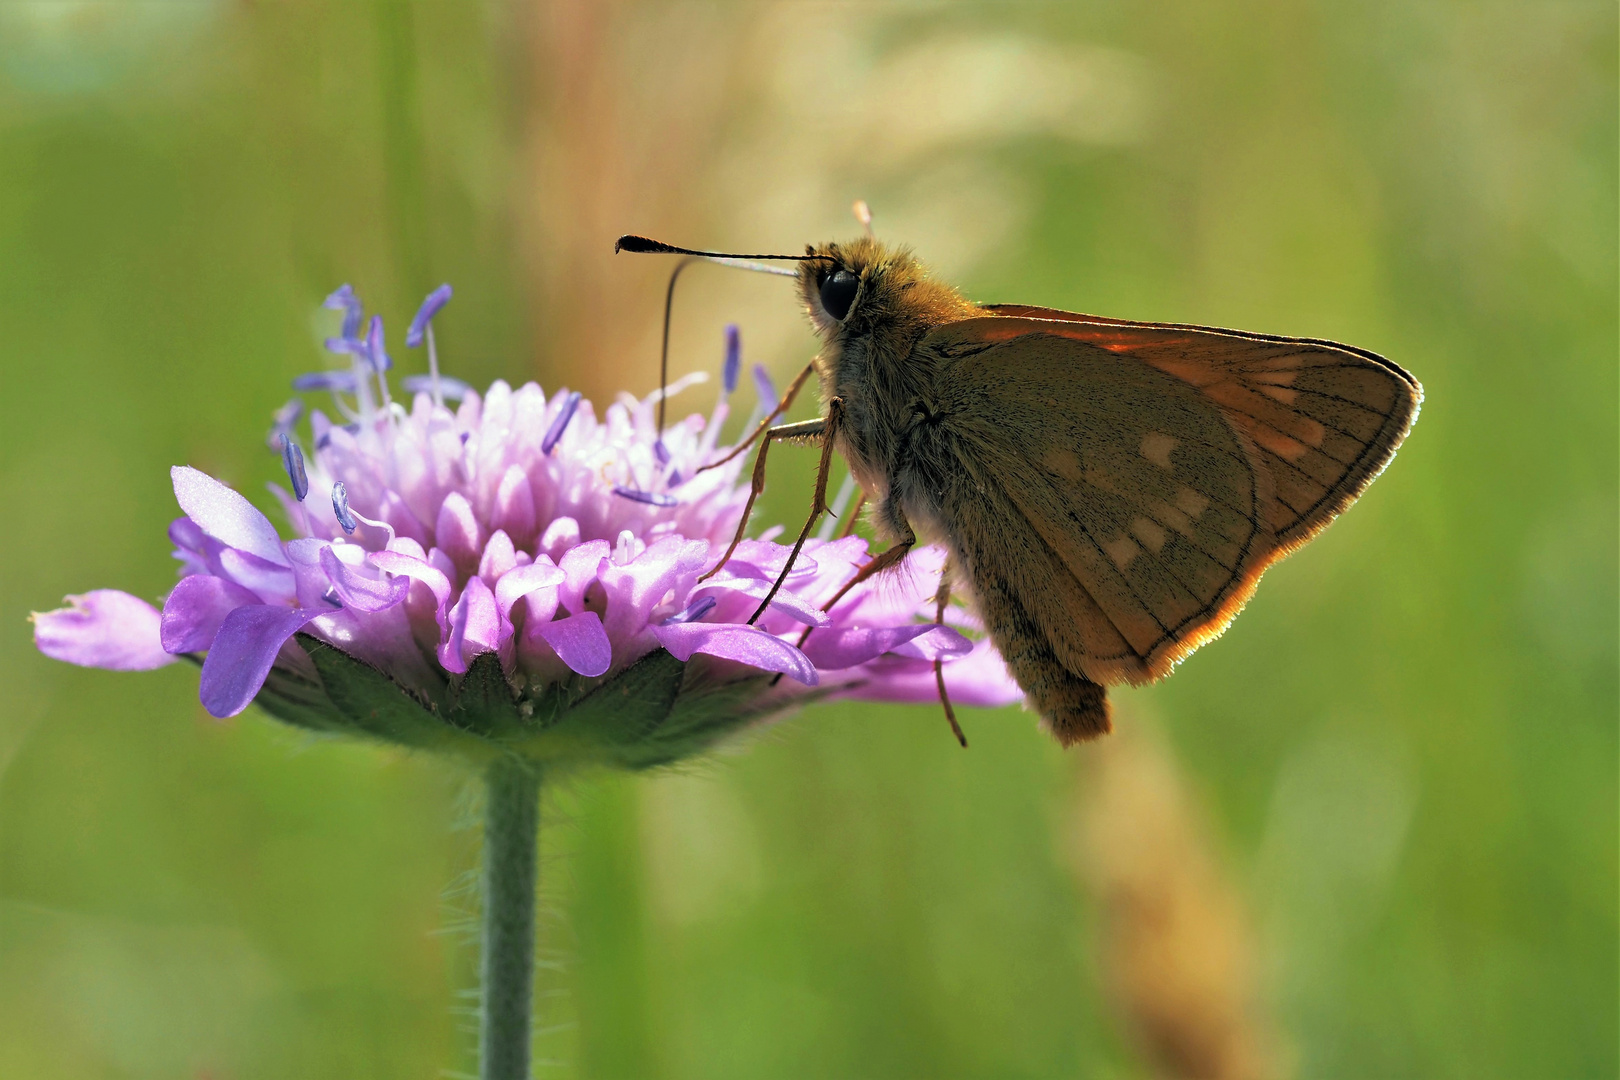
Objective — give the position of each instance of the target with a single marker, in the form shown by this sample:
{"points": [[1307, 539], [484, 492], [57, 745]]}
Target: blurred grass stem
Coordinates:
{"points": [[511, 829]]}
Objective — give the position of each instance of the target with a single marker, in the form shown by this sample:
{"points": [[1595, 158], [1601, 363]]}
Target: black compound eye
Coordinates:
{"points": [[838, 293]]}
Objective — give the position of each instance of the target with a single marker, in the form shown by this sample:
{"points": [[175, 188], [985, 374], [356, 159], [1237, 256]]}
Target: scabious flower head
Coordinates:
{"points": [[509, 572]]}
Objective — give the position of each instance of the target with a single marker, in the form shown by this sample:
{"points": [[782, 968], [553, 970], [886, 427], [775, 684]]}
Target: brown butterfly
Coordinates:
{"points": [[1110, 492]]}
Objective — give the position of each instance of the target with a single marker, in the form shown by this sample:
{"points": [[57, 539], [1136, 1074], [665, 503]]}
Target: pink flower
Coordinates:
{"points": [[519, 550]]}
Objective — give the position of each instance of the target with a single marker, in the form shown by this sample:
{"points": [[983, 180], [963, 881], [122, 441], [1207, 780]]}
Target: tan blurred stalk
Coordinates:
{"points": [[627, 104], [1175, 943]]}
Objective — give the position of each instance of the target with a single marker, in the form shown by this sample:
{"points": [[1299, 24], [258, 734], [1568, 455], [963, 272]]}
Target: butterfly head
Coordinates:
{"points": [[865, 287]]}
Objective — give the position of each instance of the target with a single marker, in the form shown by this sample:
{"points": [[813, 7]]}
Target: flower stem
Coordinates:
{"points": [[511, 831]]}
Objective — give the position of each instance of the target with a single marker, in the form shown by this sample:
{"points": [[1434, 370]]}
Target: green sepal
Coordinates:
{"points": [[612, 719], [483, 702], [378, 706], [296, 699]]}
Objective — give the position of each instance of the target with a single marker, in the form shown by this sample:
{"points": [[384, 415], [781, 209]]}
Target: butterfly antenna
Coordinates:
{"points": [[642, 245], [863, 214], [663, 352]]}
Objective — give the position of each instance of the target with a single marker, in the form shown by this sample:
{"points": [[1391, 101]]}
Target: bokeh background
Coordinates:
{"points": [[1370, 833]]}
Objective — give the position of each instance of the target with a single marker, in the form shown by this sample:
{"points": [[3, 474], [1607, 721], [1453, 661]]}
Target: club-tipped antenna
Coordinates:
{"points": [[642, 245]]}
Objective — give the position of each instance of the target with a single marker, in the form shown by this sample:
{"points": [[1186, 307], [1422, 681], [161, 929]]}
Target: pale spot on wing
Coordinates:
{"points": [[1280, 393], [1156, 447], [1064, 463], [1271, 439], [1122, 549], [1192, 502], [1150, 533]]}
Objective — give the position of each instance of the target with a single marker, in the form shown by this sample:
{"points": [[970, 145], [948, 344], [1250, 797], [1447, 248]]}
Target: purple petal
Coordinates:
{"points": [[195, 610], [833, 650], [225, 515], [514, 504], [519, 582], [359, 592], [104, 628], [580, 566], [475, 627], [731, 641], [395, 562], [273, 583], [939, 642], [456, 532], [581, 643], [424, 315], [243, 652], [979, 678], [790, 604]]}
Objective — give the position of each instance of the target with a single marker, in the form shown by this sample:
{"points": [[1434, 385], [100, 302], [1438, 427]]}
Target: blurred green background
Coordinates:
{"points": [[1396, 773]]}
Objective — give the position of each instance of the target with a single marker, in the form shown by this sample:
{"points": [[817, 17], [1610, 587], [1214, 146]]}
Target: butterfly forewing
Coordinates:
{"points": [[1161, 468]]}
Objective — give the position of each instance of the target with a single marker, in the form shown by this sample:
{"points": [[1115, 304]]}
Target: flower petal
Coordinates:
{"points": [[457, 533], [734, 641], [938, 642], [104, 628], [523, 580], [194, 611], [581, 643], [476, 627], [834, 650], [225, 515], [359, 592], [243, 652], [580, 566]]}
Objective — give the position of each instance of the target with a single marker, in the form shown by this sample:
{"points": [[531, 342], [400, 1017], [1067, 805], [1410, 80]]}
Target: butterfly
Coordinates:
{"points": [[1109, 492]]}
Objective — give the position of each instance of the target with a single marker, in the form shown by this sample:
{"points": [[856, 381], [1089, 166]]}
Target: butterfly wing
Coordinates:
{"points": [[1162, 468]]}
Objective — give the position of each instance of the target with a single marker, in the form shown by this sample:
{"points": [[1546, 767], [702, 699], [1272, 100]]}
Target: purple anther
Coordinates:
{"points": [[340, 507], [286, 418], [351, 346], [764, 386], [292, 459], [693, 612], [733, 365], [651, 498], [345, 301], [559, 425], [331, 597], [375, 352], [424, 315], [337, 381], [449, 389], [661, 452]]}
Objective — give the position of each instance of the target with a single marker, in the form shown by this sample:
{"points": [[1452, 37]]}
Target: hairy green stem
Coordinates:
{"points": [[511, 829]]}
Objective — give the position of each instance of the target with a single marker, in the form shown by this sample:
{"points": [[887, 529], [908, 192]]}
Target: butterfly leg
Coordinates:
{"points": [[802, 430], [942, 598], [765, 425], [828, 430]]}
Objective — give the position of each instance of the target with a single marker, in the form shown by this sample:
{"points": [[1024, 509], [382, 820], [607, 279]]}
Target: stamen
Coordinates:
{"points": [[331, 597], [733, 365], [449, 386], [559, 425], [345, 301], [661, 452], [424, 315], [380, 360], [340, 507], [335, 381], [292, 459], [650, 498], [765, 387], [286, 418], [693, 612]]}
